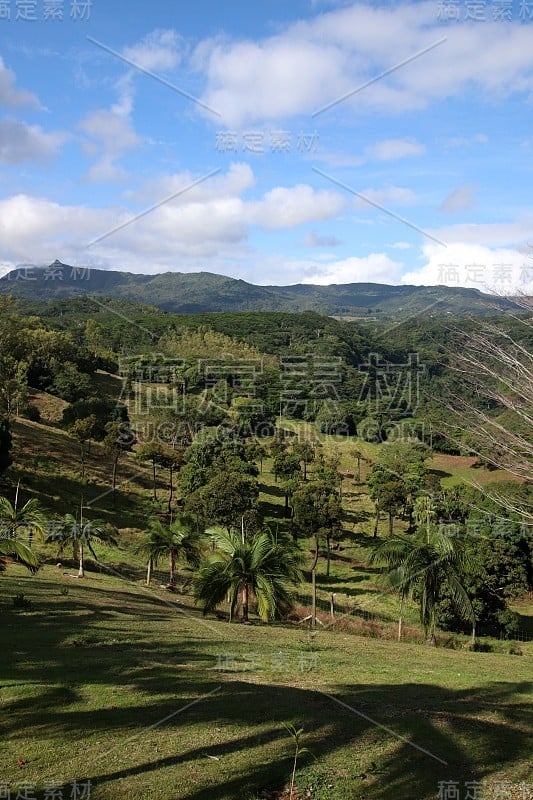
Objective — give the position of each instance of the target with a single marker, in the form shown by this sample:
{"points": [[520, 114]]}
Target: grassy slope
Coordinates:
{"points": [[89, 672]]}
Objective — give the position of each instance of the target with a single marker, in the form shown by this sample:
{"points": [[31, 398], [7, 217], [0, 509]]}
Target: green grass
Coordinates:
{"points": [[107, 681]]}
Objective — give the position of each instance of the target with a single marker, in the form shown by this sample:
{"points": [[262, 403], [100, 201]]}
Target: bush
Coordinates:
{"points": [[481, 647], [509, 622]]}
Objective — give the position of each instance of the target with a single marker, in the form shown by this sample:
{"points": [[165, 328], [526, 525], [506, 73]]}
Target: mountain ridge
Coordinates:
{"points": [[202, 291]]}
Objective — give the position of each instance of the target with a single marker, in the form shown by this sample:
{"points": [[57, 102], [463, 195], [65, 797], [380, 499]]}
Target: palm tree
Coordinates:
{"points": [[30, 519], [420, 566], [263, 566], [81, 535], [180, 539]]}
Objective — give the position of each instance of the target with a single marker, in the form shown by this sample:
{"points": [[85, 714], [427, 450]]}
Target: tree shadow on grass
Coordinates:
{"points": [[134, 708], [446, 739]]}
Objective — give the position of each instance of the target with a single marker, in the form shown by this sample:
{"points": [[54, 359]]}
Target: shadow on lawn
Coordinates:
{"points": [[413, 770], [143, 681]]}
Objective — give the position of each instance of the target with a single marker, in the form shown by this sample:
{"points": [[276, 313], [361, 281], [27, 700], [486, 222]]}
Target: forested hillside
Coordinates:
{"points": [[200, 292]]}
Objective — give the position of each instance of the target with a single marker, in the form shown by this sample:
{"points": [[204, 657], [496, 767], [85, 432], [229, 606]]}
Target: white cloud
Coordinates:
{"points": [[461, 199], [490, 234], [498, 270], [20, 142], [10, 96], [289, 207], [110, 134], [318, 61], [391, 149], [237, 180], [210, 221], [159, 50], [374, 268], [401, 246]]}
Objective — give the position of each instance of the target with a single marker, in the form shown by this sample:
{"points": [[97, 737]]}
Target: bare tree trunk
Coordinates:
{"points": [[245, 603], [149, 571], [391, 522], [170, 488], [328, 553], [114, 494], [376, 522], [172, 568], [313, 585], [81, 570], [332, 605]]}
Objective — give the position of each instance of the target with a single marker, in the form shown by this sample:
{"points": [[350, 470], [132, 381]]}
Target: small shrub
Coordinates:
{"points": [[514, 650], [22, 602], [481, 647]]}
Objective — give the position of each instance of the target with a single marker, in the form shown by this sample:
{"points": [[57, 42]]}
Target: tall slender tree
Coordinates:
{"points": [[180, 540]]}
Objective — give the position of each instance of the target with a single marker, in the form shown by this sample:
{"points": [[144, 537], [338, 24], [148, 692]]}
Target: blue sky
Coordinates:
{"points": [[310, 141]]}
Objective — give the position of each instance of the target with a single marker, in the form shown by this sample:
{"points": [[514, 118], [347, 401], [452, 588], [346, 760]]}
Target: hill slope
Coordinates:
{"points": [[200, 292]]}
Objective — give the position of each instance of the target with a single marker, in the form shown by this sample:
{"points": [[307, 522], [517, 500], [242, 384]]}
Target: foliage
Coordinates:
{"points": [[425, 565], [263, 567], [225, 498], [180, 539], [80, 534]]}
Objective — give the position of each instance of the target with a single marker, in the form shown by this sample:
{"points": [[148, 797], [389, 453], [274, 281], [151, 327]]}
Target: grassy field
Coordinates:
{"points": [[106, 681]]}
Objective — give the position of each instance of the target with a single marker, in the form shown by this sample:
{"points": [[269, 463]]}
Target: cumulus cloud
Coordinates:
{"points": [[491, 234], [20, 142], [111, 131], [498, 270], [318, 61], [461, 199], [209, 221], [110, 134], [284, 207], [374, 268]]}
